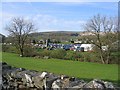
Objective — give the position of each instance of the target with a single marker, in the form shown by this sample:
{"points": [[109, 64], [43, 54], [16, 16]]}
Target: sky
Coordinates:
{"points": [[55, 16]]}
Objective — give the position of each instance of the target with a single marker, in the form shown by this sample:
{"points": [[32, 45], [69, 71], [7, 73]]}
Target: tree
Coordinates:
{"points": [[19, 29], [101, 33]]}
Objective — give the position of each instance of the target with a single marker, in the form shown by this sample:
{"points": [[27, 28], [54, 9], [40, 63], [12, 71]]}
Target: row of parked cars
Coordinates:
{"points": [[73, 47]]}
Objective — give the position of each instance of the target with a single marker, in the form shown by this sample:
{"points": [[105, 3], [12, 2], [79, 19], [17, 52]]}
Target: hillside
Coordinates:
{"points": [[58, 35], [62, 36]]}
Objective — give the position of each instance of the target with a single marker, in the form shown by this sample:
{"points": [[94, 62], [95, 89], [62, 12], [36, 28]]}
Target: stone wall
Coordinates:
{"points": [[19, 78]]}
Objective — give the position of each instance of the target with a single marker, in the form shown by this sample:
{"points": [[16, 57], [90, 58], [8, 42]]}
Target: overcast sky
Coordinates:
{"points": [[59, 16]]}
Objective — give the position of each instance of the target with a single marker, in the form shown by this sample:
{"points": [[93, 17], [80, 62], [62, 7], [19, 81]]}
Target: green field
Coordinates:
{"points": [[84, 70]]}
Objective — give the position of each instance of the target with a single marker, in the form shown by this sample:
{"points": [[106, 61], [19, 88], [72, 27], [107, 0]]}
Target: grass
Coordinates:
{"points": [[84, 70]]}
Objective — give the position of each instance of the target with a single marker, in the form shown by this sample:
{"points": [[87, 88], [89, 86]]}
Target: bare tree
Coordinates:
{"points": [[19, 29], [101, 34]]}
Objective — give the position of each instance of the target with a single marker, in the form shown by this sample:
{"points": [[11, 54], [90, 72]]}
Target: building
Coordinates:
{"points": [[87, 47]]}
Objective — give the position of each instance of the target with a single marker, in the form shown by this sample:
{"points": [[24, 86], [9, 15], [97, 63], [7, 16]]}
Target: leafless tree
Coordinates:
{"points": [[102, 33], [19, 29]]}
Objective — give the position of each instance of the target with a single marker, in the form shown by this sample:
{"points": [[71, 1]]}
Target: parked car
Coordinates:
{"points": [[67, 47]]}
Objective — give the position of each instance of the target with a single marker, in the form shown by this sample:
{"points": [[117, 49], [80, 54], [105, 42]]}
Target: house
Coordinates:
{"points": [[104, 48], [41, 41], [77, 42], [87, 47]]}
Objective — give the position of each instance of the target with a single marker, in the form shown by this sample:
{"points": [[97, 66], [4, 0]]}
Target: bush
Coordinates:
{"points": [[29, 51], [9, 48], [71, 55], [5, 48], [59, 54], [114, 59], [43, 53], [77, 56], [90, 57]]}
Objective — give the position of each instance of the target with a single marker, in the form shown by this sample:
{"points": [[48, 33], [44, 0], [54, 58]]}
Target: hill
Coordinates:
{"points": [[58, 35]]}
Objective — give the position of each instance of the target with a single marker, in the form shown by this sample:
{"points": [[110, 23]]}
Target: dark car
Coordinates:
{"points": [[67, 47]]}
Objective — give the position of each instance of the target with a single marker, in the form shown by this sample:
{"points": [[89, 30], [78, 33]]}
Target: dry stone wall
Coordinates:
{"points": [[19, 78]]}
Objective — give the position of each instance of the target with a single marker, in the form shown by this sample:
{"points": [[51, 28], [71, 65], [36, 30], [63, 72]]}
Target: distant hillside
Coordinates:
{"points": [[62, 36], [58, 35]]}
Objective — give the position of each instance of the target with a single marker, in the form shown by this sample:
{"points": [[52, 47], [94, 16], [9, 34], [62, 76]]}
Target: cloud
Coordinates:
{"points": [[5, 19], [44, 22], [50, 19], [47, 22]]}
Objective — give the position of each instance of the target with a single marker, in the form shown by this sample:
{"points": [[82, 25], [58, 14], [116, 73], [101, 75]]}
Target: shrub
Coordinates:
{"points": [[59, 54], [114, 59], [30, 51], [9, 48], [77, 56], [71, 55], [43, 53], [90, 57], [5, 48]]}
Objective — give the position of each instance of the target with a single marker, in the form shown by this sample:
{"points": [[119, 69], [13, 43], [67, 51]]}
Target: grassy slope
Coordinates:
{"points": [[72, 68]]}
